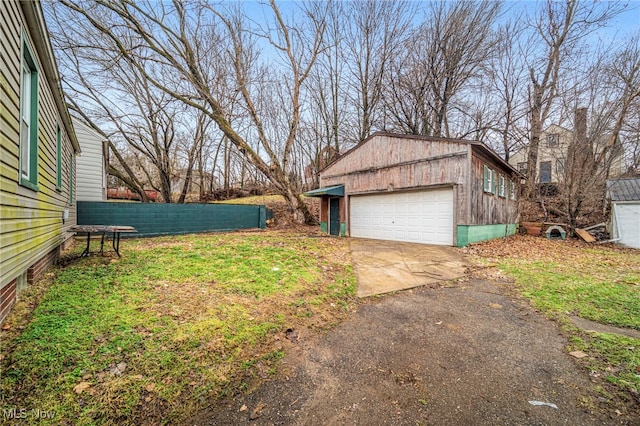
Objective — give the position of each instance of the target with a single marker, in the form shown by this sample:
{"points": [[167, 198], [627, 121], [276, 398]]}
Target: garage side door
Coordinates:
{"points": [[415, 217]]}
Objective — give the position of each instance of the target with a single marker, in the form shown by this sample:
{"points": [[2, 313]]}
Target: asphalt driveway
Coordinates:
{"points": [[460, 352]]}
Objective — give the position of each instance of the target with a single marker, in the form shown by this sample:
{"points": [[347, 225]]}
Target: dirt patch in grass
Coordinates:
{"points": [[175, 324]]}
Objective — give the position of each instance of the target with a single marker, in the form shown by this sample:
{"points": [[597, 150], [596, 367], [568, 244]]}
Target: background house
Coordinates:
{"points": [[624, 195], [419, 189], [93, 163], [552, 156], [38, 150]]}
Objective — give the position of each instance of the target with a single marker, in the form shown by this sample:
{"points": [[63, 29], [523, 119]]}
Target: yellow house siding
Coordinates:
{"points": [[9, 38], [31, 223]]}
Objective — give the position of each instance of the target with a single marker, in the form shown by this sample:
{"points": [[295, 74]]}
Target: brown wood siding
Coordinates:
{"points": [[324, 209], [486, 208], [387, 163], [395, 163], [31, 223]]}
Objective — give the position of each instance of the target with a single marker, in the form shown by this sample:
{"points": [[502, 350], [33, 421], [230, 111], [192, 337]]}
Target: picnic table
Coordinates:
{"points": [[115, 230]]}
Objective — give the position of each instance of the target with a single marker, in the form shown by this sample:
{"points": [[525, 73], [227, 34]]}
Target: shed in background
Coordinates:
{"points": [[624, 195]]}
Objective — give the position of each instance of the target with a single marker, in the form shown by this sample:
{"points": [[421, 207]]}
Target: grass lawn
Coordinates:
{"points": [[569, 278], [173, 325]]}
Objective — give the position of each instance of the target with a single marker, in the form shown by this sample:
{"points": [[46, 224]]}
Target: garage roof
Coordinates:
{"points": [[624, 189], [476, 144], [336, 191]]}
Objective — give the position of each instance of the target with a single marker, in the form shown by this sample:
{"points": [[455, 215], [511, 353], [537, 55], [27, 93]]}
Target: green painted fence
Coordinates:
{"points": [[151, 219]]}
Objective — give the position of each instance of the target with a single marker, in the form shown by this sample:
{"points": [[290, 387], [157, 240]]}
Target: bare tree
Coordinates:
{"points": [[506, 84], [327, 83], [631, 140], [327, 123], [149, 131], [185, 41], [561, 28], [376, 30], [595, 155], [623, 72], [459, 46], [444, 54]]}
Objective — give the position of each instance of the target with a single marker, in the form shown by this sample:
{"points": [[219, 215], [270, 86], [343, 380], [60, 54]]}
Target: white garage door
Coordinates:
{"points": [[415, 217], [628, 218]]}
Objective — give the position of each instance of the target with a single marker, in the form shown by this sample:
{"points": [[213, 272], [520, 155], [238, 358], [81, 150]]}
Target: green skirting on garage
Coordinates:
{"points": [[324, 227], [467, 234]]}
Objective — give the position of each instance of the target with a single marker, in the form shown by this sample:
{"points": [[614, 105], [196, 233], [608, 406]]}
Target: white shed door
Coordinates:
{"points": [[628, 222], [414, 217]]}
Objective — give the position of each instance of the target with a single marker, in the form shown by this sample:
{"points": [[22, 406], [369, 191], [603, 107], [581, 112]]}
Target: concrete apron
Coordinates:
{"points": [[387, 266]]}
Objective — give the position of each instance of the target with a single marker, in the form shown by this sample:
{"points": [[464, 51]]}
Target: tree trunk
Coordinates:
{"points": [[534, 143]]}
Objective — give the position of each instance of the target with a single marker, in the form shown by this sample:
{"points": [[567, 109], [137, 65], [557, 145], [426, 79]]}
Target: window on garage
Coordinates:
{"points": [[502, 190], [489, 181]]}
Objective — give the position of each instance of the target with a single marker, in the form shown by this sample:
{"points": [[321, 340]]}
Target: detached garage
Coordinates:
{"points": [[419, 189], [624, 195]]}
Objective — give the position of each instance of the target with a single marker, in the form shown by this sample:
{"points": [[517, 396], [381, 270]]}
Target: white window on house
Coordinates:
{"points": [[488, 182], [560, 167], [545, 172], [502, 190], [553, 140], [522, 168], [28, 119], [25, 121]]}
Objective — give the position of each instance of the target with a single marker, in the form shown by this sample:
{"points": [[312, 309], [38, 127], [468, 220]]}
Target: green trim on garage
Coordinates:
{"points": [[343, 228], [334, 191], [467, 234]]}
